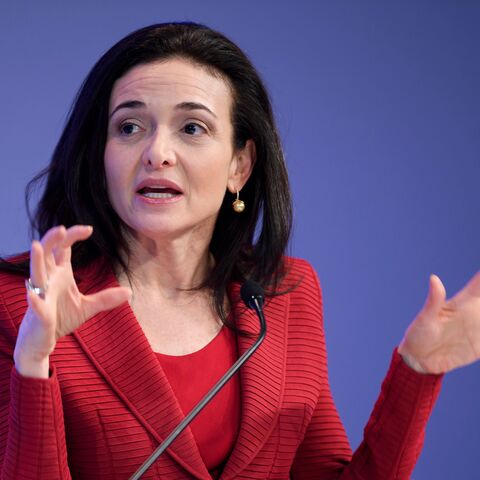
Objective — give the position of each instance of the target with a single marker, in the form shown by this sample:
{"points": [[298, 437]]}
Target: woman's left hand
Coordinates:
{"points": [[446, 333]]}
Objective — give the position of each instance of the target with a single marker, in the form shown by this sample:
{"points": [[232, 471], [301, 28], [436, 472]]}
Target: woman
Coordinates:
{"points": [[139, 237]]}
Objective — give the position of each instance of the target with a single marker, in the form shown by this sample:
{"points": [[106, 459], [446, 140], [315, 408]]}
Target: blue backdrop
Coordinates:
{"points": [[379, 108]]}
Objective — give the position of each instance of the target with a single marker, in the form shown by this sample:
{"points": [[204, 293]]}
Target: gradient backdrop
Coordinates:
{"points": [[379, 108]]}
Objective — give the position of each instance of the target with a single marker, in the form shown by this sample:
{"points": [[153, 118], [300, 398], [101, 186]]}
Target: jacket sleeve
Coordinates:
{"points": [[32, 435], [393, 437]]}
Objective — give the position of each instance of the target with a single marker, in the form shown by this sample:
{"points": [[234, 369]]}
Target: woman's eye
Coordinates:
{"points": [[193, 129], [129, 128]]}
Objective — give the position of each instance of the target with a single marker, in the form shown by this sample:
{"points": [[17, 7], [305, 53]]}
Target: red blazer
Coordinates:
{"points": [[108, 404]]}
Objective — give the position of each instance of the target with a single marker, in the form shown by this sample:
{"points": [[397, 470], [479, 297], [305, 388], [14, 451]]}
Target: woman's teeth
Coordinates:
{"points": [[159, 195]]}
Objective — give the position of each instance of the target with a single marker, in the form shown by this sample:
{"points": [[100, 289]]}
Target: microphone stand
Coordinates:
{"points": [[253, 300]]}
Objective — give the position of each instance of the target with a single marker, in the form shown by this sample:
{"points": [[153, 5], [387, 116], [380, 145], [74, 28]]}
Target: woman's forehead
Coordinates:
{"points": [[174, 79]]}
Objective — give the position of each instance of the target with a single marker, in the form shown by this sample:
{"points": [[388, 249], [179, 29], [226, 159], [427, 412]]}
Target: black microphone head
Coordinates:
{"points": [[250, 291]]}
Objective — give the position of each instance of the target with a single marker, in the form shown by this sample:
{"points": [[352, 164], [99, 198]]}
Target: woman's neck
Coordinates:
{"points": [[167, 267]]}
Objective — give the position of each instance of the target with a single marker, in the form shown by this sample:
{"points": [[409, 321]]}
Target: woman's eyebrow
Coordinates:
{"points": [[194, 106], [128, 104]]}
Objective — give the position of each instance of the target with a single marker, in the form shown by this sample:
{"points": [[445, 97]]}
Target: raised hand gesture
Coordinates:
{"points": [[55, 306], [446, 333]]}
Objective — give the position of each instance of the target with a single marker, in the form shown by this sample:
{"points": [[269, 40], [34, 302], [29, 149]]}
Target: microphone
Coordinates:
{"points": [[252, 295]]}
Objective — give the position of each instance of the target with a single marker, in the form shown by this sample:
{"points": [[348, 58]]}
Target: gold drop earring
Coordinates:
{"points": [[238, 205]]}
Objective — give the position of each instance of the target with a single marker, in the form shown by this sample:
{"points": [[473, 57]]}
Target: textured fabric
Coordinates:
{"points": [[215, 428], [108, 404]]}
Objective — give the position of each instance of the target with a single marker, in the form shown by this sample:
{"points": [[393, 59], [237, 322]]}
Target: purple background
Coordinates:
{"points": [[379, 109]]}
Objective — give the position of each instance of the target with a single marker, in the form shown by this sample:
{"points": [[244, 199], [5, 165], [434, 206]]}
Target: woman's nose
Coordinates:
{"points": [[159, 152]]}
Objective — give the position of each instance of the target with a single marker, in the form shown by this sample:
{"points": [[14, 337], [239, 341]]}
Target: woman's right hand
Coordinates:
{"points": [[63, 308]]}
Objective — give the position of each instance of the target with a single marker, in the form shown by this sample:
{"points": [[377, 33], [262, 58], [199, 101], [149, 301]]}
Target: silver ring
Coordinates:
{"points": [[40, 291]]}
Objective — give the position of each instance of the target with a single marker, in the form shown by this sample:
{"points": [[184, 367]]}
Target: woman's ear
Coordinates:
{"points": [[241, 166]]}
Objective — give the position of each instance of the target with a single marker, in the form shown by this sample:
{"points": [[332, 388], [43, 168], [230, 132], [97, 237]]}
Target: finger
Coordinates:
{"points": [[38, 271], [73, 234], [106, 300], [49, 241], [436, 295]]}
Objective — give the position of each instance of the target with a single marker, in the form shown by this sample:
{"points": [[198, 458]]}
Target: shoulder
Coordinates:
{"points": [[13, 299], [13, 273], [300, 277], [299, 295], [13, 303]]}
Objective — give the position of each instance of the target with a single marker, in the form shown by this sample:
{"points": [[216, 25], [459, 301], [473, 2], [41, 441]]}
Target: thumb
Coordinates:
{"points": [[436, 296], [106, 300]]}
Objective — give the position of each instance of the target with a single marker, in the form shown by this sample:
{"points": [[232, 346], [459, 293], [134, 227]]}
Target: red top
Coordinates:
{"points": [[215, 428]]}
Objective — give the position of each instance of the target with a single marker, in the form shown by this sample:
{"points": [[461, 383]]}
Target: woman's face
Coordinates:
{"points": [[169, 154]]}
